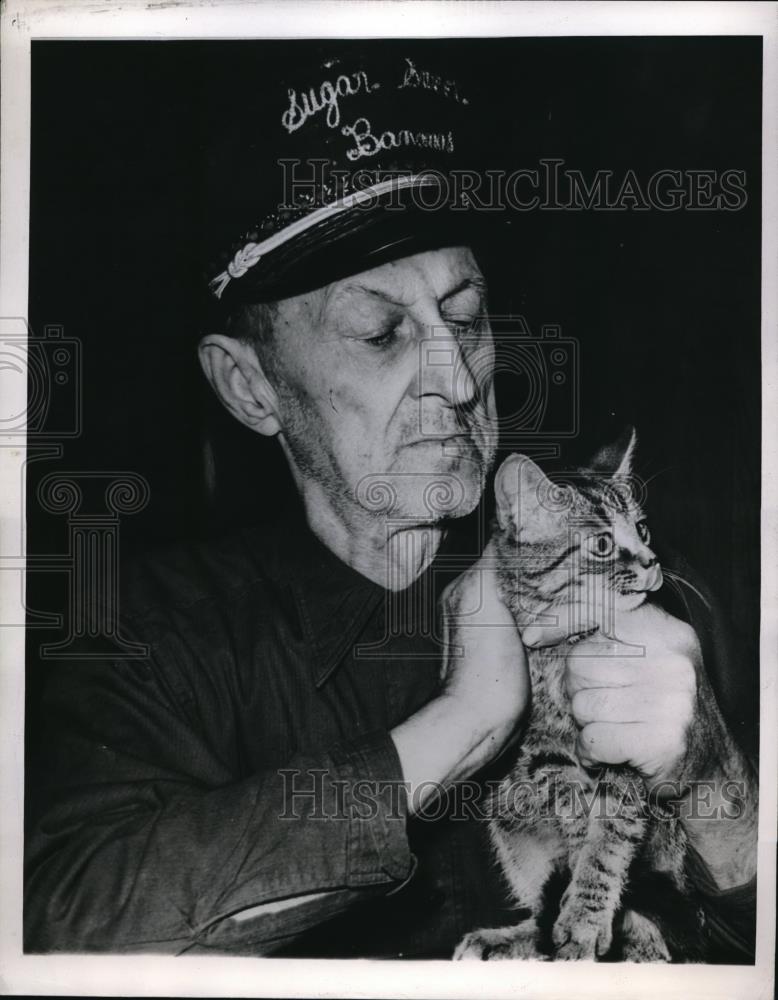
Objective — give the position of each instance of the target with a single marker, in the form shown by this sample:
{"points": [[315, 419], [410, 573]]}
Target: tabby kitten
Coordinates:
{"points": [[581, 549]]}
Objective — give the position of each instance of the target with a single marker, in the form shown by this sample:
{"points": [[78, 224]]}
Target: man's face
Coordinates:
{"points": [[385, 384]]}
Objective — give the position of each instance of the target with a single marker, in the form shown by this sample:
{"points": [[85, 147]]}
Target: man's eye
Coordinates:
{"points": [[381, 339], [461, 322]]}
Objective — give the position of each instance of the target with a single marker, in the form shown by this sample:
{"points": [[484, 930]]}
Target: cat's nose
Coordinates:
{"points": [[647, 559]]}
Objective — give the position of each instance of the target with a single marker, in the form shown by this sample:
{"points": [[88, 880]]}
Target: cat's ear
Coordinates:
{"points": [[616, 459], [519, 489]]}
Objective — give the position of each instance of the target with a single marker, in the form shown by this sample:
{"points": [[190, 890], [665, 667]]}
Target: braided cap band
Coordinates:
{"points": [[250, 254]]}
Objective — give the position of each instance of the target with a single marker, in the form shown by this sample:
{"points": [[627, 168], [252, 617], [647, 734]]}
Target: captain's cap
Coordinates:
{"points": [[356, 162]]}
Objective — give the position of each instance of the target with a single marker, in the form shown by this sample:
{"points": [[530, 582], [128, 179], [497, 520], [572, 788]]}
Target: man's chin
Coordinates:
{"points": [[430, 481], [445, 495], [449, 482], [424, 498]]}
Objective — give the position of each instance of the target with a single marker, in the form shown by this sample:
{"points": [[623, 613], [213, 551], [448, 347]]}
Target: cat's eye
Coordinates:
{"points": [[601, 545], [643, 533]]}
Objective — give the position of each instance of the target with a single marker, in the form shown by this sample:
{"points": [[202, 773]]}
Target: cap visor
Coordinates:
{"points": [[393, 225]]}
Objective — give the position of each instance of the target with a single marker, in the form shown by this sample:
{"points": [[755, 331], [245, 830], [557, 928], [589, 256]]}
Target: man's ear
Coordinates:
{"points": [[236, 376]]}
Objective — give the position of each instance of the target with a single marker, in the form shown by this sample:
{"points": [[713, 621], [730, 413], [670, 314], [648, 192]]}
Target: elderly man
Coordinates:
{"points": [[258, 784]]}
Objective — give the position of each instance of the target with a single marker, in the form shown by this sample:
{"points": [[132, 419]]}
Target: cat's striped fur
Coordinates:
{"points": [[551, 815]]}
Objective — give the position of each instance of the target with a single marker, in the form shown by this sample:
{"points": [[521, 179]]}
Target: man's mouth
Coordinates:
{"points": [[442, 438]]}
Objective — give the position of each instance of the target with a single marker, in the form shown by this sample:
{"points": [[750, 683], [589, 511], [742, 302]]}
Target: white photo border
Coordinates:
{"points": [[26, 20]]}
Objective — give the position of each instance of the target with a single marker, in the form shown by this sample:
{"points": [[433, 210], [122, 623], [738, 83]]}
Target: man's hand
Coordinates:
{"points": [[657, 712], [485, 669], [635, 699], [485, 689]]}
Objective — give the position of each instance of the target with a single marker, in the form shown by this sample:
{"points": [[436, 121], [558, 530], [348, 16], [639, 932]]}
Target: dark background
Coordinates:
{"points": [[666, 306]]}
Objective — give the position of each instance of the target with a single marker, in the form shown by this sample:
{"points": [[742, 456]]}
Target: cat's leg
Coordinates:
{"points": [[527, 861], [643, 941], [528, 849], [614, 831]]}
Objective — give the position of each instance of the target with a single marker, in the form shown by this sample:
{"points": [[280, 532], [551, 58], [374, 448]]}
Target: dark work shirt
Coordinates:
{"points": [[225, 770], [247, 760]]}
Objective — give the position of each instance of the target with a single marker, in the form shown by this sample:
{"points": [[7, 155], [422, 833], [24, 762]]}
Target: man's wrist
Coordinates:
{"points": [[445, 742]]}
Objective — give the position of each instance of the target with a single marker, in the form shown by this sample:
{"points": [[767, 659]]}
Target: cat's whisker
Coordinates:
{"points": [[678, 590], [673, 576], [655, 475]]}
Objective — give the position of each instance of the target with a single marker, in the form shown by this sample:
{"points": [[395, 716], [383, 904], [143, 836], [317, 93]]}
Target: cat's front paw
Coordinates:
{"points": [[498, 943], [578, 934]]}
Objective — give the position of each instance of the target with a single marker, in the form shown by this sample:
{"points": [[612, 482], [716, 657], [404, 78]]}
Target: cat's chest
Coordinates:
{"points": [[551, 709]]}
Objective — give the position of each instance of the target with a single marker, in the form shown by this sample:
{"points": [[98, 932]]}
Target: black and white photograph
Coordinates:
{"points": [[389, 532]]}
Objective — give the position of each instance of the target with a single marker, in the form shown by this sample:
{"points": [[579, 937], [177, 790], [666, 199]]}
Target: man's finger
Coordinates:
{"points": [[537, 636], [599, 672], [616, 704], [608, 742]]}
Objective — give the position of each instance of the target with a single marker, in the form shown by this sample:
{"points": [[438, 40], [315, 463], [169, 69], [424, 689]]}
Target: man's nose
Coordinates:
{"points": [[449, 366]]}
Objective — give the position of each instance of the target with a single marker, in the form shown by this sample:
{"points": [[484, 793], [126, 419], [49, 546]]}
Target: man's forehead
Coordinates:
{"points": [[399, 282], [393, 285]]}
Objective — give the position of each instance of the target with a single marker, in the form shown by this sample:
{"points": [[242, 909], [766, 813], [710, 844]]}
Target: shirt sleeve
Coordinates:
{"points": [[141, 839], [729, 915]]}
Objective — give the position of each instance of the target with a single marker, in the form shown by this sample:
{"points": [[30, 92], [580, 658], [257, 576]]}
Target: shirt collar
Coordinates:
{"points": [[334, 601]]}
